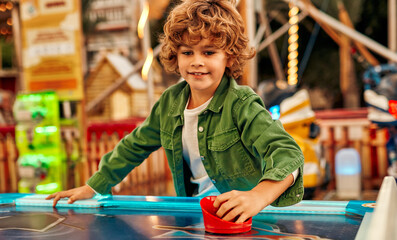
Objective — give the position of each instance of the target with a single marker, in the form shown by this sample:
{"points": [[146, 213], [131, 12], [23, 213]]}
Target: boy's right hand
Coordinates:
{"points": [[83, 192]]}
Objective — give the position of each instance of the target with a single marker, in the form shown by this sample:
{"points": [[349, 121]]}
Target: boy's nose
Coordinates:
{"points": [[197, 62]]}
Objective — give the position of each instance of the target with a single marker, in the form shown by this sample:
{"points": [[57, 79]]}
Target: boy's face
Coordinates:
{"points": [[202, 66]]}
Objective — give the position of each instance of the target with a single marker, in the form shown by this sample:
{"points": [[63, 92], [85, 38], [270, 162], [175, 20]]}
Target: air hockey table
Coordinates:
{"points": [[29, 216]]}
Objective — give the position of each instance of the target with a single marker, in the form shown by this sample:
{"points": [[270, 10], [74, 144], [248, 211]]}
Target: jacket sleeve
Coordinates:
{"points": [[277, 151], [131, 151]]}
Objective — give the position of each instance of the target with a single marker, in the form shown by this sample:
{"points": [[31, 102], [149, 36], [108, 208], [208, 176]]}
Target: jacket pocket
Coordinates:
{"points": [[230, 155]]}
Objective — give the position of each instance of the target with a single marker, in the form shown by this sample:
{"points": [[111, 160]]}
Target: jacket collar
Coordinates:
{"points": [[215, 105], [217, 101], [180, 101]]}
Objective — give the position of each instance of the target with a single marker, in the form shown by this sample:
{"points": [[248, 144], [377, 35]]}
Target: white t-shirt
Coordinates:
{"points": [[191, 152]]}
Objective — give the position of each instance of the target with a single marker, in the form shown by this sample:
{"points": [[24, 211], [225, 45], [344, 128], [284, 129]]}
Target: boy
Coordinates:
{"points": [[217, 135]]}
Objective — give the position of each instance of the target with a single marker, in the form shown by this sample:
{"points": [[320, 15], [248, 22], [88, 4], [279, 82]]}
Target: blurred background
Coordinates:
{"points": [[77, 76]]}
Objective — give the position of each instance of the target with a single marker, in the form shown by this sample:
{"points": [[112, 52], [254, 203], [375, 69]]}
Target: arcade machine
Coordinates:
{"points": [[293, 108], [37, 136], [380, 94]]}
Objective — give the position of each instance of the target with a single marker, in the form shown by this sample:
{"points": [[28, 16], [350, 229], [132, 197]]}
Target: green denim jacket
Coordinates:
{"points": [[239, 143]]}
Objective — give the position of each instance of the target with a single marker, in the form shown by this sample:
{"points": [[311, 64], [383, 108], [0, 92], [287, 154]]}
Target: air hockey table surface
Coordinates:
{"points": [[29, 216]]}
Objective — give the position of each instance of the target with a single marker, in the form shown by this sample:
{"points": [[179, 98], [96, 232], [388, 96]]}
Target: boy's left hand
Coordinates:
{"points": [[238, 204]]}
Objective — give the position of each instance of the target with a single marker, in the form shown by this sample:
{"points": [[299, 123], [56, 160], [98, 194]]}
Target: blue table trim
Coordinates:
{"points": [[192, 204]]}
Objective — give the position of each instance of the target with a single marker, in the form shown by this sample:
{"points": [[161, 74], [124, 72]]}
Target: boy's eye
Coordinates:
{"points": [[209, 53], [186, 53]]}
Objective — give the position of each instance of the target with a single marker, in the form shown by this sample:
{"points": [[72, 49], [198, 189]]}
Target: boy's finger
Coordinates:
{"points": [[222, 209], [56, 199], [50, 196], [232, 215], [225, 197], [72, 199], [220, 199], [243, 217], [225, 208]]}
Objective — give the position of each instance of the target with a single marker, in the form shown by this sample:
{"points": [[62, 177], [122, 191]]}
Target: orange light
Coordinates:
{"points": [[294, 11], [147, 64], [292, 56], [9, 5], [293, 45], [293, 29], [393, 108], [142, 20], [292, 63]]}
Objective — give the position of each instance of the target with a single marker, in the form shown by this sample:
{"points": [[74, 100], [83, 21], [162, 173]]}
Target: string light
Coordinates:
{"points": [[142, 20], [141, 33], [293, 44], [9, 5], [147, 64]]}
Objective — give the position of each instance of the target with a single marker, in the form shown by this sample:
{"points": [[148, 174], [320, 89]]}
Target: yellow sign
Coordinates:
{"points": [[51, 42]]}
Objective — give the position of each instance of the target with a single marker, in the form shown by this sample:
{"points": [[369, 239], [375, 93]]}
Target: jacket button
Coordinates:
{"points": [[202, 158], [213, 180], [201, 129], [205, 112]]}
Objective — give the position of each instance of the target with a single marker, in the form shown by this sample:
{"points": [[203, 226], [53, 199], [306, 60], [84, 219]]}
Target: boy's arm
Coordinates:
{"points": [[115, 165], [247, 204], [130, 152], [277, 153]]}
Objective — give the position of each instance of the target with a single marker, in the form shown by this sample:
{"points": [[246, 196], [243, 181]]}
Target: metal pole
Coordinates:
{"points": [[392, 25], [16, 29], [150, 82], [146, 47], [371, 44], [273, 53], [251, 29]]}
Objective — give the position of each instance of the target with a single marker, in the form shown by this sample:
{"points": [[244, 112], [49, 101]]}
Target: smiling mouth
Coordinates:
{"points": [[197, 73]]}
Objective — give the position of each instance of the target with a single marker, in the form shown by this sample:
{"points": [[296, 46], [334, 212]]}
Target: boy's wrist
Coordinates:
{"points": [[294, 175], [264, 192], [99, 183], [270, 190], [92, 189]]}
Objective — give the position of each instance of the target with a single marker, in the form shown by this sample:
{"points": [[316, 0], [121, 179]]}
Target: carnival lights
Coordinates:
{"points": [[293, 44], [141, 34], [147, 64]]}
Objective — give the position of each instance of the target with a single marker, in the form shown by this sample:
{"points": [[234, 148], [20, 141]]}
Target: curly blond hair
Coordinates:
{"points": [[217, 20]]}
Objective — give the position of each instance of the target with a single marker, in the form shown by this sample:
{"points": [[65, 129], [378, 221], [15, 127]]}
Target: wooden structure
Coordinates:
{"points": [[341, 128], [101, 138], [129, 100]]}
